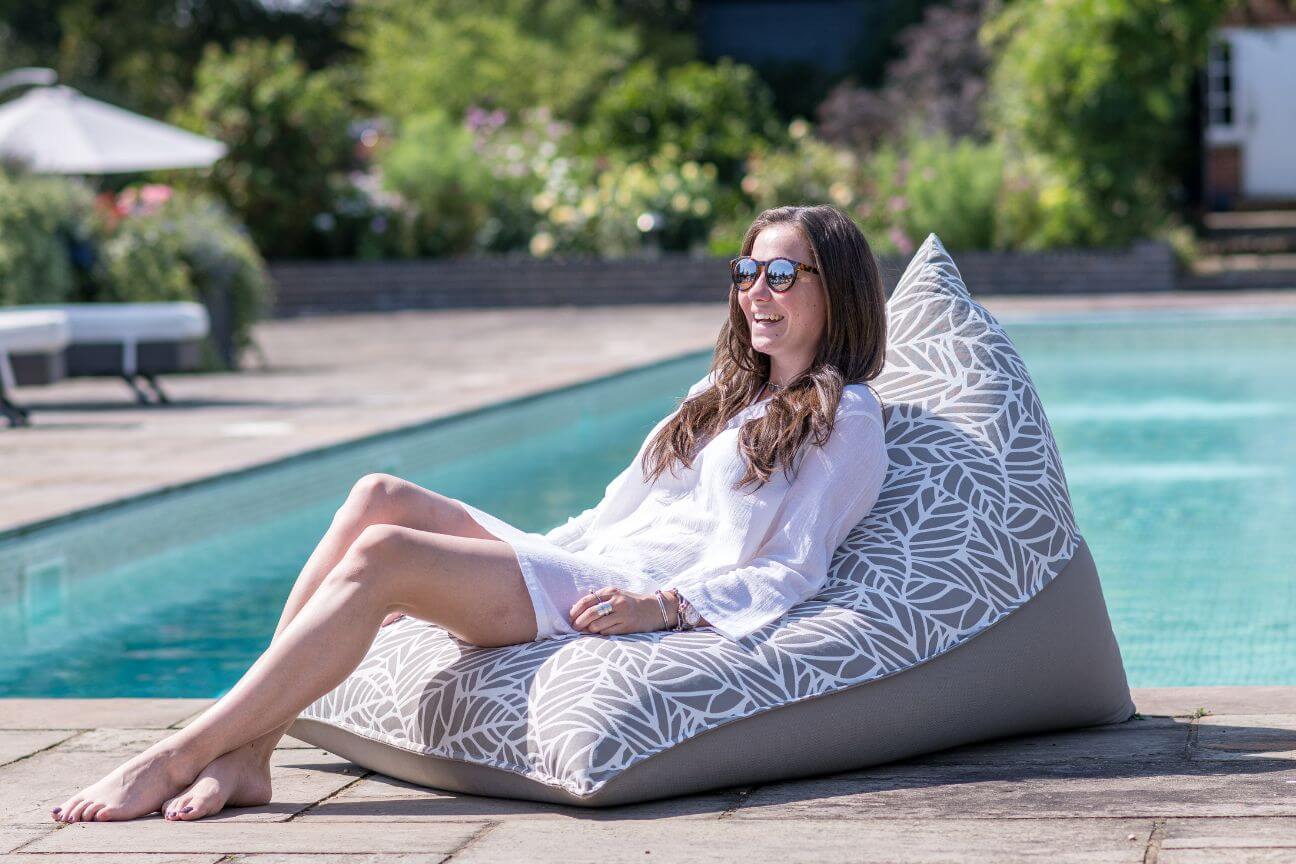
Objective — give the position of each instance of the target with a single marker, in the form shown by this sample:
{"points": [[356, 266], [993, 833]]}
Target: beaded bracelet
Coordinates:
{"points": [[680, 615]]}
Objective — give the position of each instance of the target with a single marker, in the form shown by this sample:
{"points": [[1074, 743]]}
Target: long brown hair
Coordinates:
{"points": [[853, 350]]}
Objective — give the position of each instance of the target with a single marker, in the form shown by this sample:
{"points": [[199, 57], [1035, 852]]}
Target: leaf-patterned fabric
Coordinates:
{"points": [[973, 520]]}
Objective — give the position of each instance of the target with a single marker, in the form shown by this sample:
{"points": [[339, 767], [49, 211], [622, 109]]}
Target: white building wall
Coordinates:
{"points": [[1263, 62]]}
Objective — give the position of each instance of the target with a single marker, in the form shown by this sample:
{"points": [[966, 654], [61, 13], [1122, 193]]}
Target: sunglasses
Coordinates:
{"points": [[780, 273]]}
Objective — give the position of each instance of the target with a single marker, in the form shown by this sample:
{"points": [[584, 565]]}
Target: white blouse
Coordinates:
{"points": [[742, 558]]}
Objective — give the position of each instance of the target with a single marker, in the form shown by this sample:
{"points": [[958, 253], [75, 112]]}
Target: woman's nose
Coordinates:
{"points": [[760, 283]]}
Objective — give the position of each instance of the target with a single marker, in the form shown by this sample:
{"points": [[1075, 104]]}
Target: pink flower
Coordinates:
{"points": [[154, 195], [901, 242], [142, 200]]}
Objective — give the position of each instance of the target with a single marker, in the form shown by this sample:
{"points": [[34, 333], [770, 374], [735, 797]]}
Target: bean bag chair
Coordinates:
{"points": [[965, 607]]}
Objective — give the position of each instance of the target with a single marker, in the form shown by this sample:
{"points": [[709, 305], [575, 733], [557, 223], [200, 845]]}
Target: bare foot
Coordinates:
{"points": [[138, 786], [240, 778]]}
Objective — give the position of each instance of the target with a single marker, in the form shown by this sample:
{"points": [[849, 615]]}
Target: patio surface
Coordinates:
{"points": [[1168, 787], [1177, 784]]}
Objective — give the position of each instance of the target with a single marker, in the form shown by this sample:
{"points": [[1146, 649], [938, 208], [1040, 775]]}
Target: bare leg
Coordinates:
{"points": [[241, 778], [496, 582]]}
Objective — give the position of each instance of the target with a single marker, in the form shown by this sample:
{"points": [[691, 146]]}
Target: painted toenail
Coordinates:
{"points": [[186, 810], [56, 809]]}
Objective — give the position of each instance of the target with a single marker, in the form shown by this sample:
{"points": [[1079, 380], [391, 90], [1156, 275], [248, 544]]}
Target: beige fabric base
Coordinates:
{"points": [[1051, 664]]}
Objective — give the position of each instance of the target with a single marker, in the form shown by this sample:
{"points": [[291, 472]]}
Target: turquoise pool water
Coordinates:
{"points": [[1176, 432]]}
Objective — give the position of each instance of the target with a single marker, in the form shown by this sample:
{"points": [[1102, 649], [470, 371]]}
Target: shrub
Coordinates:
{"points": [[47, 235], [1101, 89], [520, 152], [422, 56], [290, 147], [620, 208], [443, 186], [711, 113], [970, 193], [809, 171], [188, 248]]}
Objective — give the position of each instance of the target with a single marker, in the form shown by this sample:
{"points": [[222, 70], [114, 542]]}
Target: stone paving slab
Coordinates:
{"points": [[12, 837], [16, 744], [1096, 788], [1183, 834], [1246, 736], [158, 835], [1226, 856], [1145, 738], [95, 713], [378, 798], [115, 858], [1184, 701], [968, 841]]}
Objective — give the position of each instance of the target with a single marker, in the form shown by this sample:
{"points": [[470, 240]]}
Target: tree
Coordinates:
{"points": [[936, 85], [424, 56], [287, 129], [1101, 88], [716, 114], [142, 54]]}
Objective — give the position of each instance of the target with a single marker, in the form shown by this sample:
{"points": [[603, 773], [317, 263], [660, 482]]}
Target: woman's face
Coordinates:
{"points": [[793, 340]]}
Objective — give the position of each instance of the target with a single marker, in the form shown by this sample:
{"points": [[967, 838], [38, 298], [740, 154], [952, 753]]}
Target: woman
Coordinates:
{"points": [[662, 550]]}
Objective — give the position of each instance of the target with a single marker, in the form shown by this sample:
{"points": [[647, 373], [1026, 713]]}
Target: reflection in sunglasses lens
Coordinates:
{"points": [[745, 270], [779, 271]]}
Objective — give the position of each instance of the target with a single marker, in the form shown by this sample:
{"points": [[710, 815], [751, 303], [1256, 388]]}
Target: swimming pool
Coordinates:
{"points": [[1176, 432]]}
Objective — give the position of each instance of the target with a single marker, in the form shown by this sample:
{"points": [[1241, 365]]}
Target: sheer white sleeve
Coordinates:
{"points": [[836, 487]]}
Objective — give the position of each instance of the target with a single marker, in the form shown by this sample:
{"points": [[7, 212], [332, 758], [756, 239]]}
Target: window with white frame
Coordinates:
{"points": [[1219, 84]]}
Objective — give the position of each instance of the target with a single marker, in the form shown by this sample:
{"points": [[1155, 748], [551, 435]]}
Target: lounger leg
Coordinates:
{"points": [[15, 414], [141, 396], [157, 388]]}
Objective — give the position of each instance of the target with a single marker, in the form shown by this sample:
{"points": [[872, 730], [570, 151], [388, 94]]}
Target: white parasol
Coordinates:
{"points": [[56, 130]]}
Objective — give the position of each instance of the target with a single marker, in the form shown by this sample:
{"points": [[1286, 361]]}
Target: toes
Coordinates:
{"points": [[92, 812], [74, 815], [65, 815], [107, 813], [178, 803]]}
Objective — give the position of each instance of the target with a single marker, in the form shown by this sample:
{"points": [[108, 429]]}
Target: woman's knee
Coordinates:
{"points": [[375, 498], [378, 542]]}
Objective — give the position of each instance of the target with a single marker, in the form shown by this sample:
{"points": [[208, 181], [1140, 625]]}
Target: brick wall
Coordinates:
{"points": [[315, 287]]}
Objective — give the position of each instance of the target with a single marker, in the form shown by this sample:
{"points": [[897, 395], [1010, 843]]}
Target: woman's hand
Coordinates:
{"points": [[631, 613]]}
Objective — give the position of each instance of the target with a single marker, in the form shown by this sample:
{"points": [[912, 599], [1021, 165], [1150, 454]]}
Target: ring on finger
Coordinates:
{"points": [[604, 608]]}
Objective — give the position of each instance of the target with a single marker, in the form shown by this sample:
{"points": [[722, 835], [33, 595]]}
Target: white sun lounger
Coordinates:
{"points": [[31, 353], [133, 339]]}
